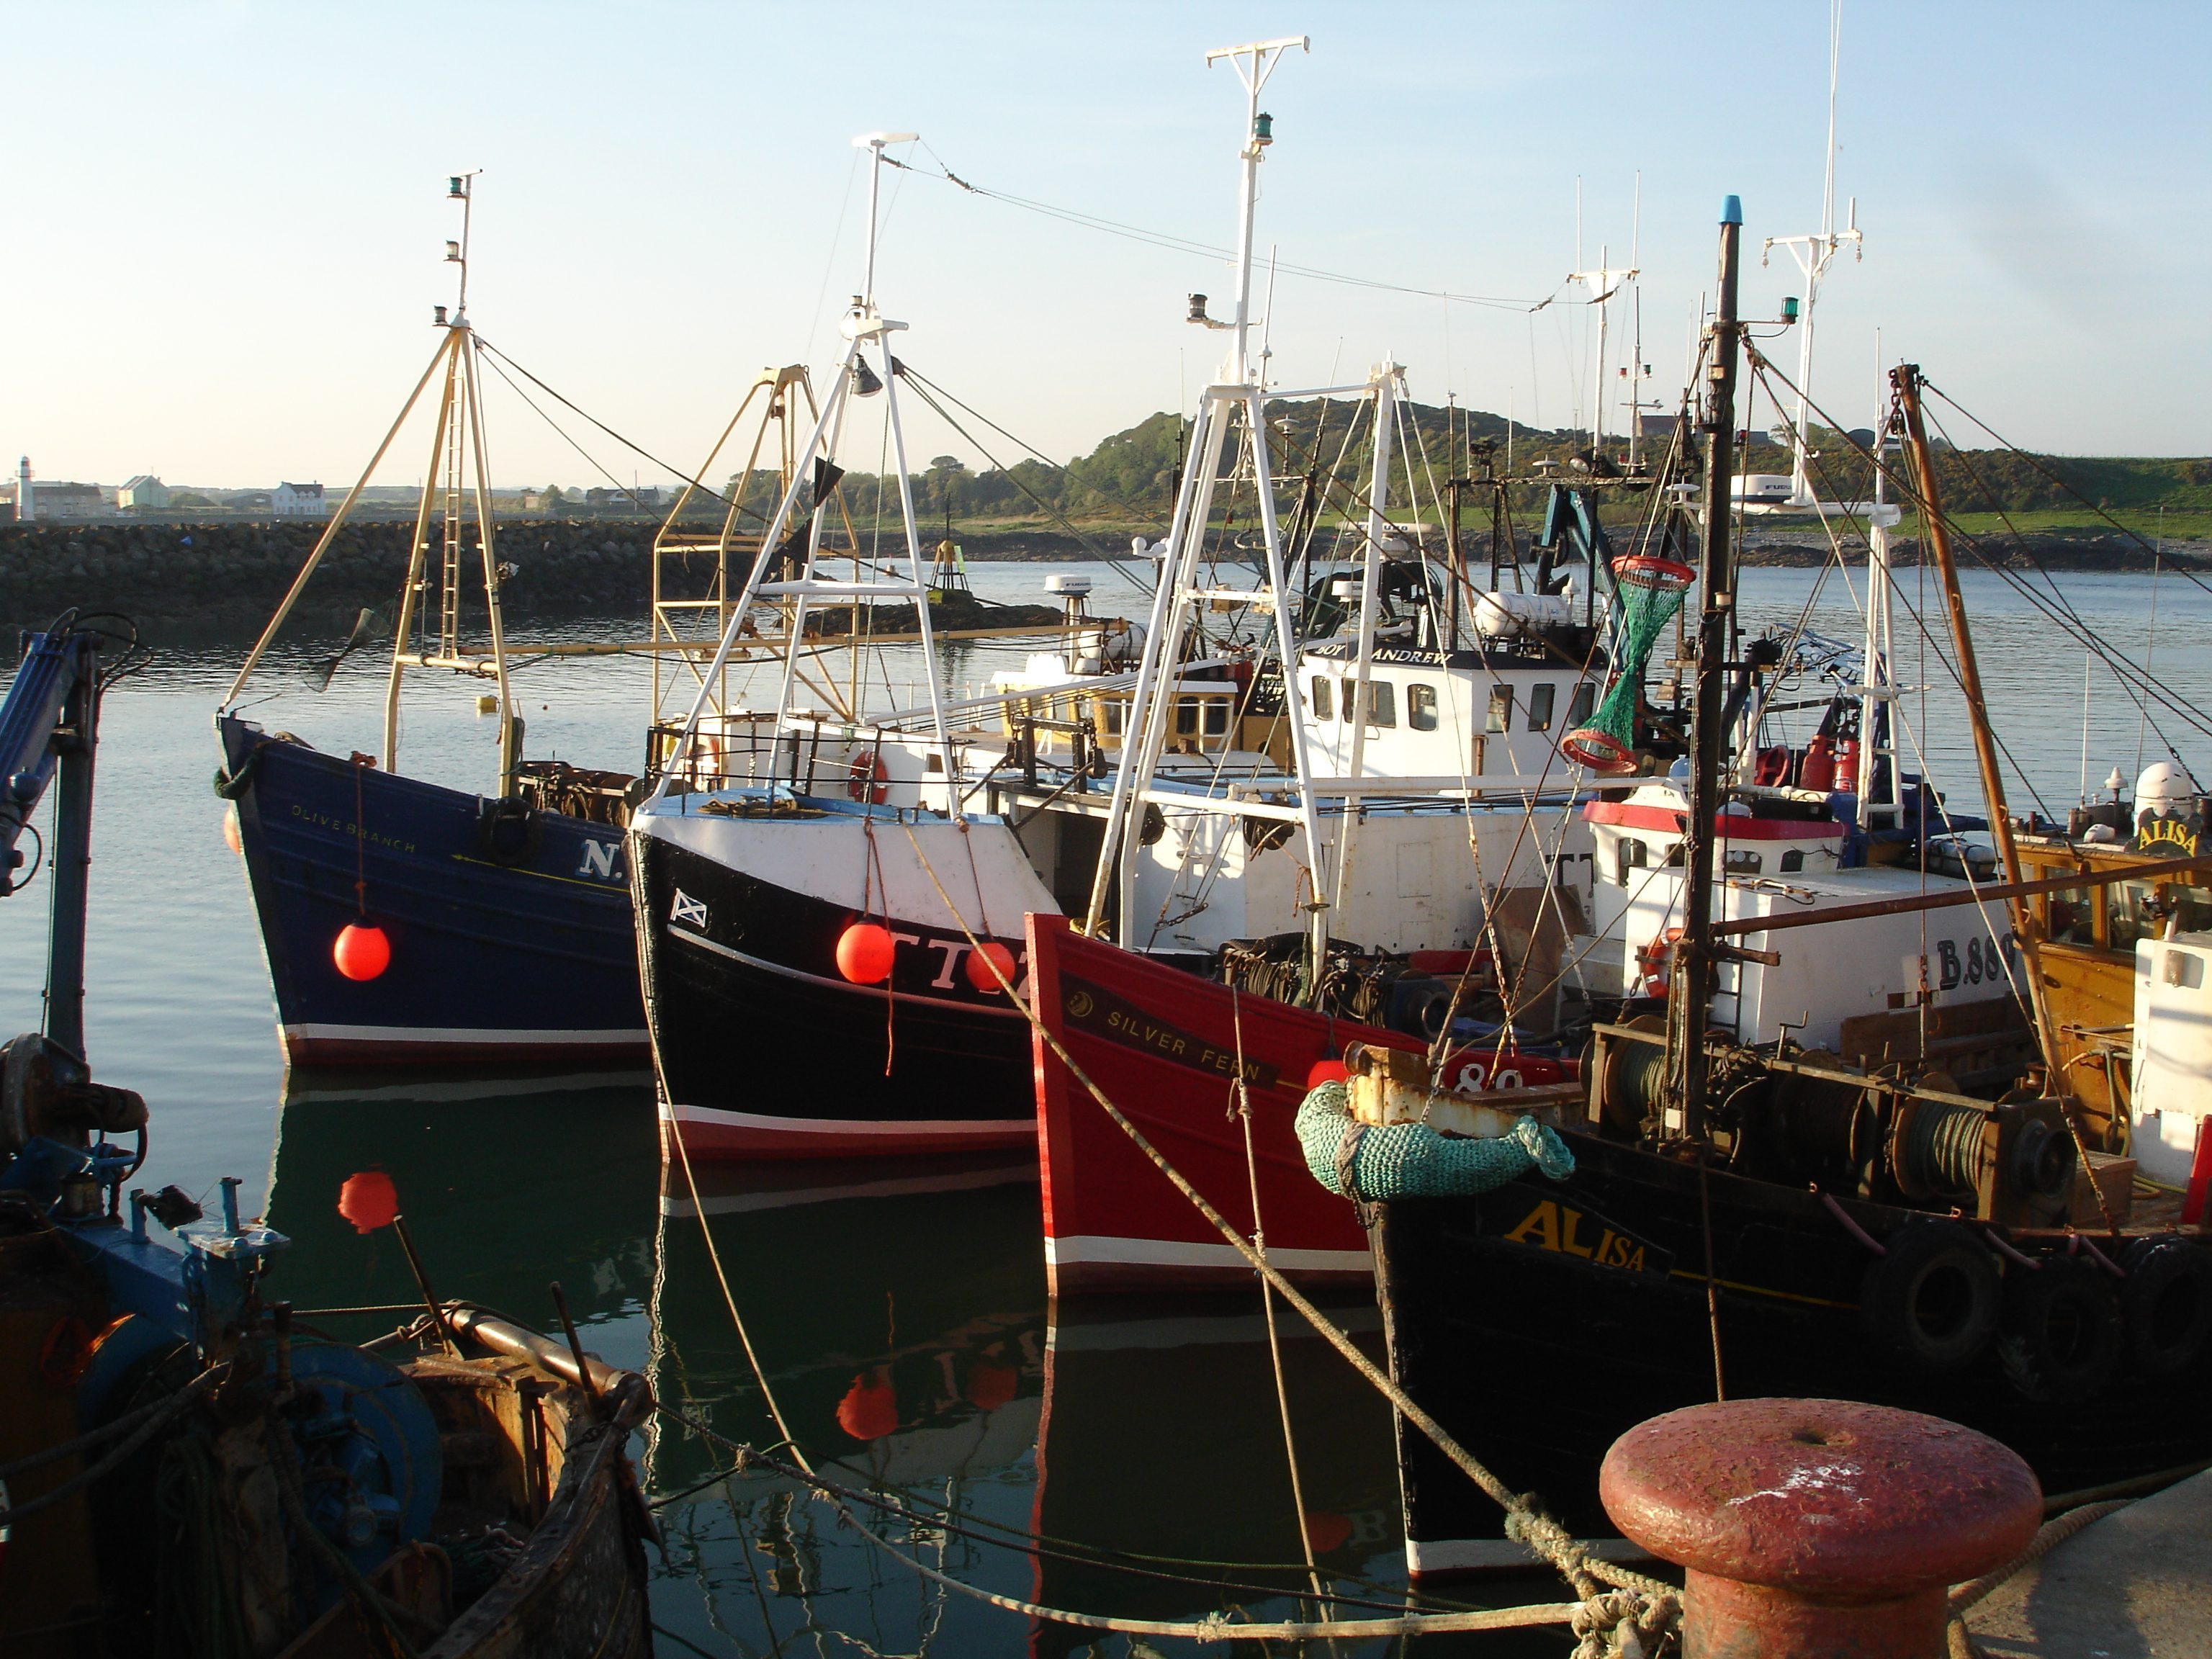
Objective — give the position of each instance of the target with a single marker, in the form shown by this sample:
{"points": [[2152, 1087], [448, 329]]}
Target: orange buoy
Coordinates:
{"points": [[368, 1200], [983, 958], [1326, 1069], [869, 1410], [362, 950], [230, 835], [864, 951]]}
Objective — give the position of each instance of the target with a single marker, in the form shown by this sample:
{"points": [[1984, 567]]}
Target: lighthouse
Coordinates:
{"points": [[23, 490]]}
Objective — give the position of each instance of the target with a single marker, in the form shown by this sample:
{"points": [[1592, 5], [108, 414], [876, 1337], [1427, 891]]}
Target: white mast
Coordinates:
{"points": [[1603, 283], [1180, 594], [1812, 254]]}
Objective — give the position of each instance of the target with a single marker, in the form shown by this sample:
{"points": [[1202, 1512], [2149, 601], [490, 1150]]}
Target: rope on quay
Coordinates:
{"points": [[1640, 1604]]}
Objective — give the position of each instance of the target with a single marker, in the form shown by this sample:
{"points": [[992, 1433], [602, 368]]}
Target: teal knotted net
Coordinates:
{"points": [[1647, 594], [1410, 1160]]}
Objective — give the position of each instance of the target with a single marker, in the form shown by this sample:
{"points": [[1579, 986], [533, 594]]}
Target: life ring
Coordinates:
{"points": [[2166, 1305], [1655, 962], [2062, 1340], [1932, 1301], [866, 778]]}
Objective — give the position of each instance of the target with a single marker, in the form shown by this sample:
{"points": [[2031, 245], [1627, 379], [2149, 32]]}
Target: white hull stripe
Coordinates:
{"points": [[714, 1117], [872, 992], [1096, 1251], [461, 1034], [1494, 1554]]}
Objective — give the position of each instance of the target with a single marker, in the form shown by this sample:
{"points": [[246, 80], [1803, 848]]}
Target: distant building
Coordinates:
{"points": [[622, 501], [68, 500], [298, 500], [143, 494]]}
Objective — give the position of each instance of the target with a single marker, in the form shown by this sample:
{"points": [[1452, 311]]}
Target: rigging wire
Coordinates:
{"points": [[1175, 244]]}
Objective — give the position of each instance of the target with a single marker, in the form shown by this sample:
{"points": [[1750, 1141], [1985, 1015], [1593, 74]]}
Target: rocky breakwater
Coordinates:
{"points": [[198, 582]]}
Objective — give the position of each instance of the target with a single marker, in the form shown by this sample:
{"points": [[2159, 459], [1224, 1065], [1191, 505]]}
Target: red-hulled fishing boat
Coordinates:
{"points": [[1166, 1047]]}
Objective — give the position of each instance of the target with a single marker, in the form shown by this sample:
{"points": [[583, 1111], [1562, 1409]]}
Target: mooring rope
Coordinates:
{"points": [[1526, 1521]]}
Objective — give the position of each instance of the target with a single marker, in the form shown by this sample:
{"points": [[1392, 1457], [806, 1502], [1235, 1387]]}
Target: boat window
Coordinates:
{"points": [[1793, 860], [2137, 912], [1114, 719], [1216, 716], [1540, 707], [2073, 917], [1501, 709], [1382, 704], [2192, 906], [1421, 706], [1630, 854], [1186, 717], [1321, 711], [1741, 863]]}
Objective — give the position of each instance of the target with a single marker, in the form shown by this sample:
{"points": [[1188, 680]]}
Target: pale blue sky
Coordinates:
{"points": [[227, 220]]}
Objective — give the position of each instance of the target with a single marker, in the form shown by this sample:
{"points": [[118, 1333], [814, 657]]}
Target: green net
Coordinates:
{"points": [[1648, 593]]}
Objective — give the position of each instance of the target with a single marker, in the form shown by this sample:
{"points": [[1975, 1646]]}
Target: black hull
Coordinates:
{"points": [[1536, 1356], [763, 1050]]}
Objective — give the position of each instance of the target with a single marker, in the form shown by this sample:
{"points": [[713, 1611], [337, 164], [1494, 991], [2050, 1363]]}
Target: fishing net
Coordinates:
{"points": [[1411, 1160], [1649, 593]]}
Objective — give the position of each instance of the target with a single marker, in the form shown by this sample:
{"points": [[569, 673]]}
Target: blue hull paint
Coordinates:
{"points": [[531, 957]]}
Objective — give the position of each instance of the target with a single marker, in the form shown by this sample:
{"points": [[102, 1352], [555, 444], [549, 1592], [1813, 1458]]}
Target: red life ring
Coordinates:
{"points": [[866, 778], [1656, 961]]}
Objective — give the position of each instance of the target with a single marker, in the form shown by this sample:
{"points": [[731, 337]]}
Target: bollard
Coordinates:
{"points": [[1818, 1528]]}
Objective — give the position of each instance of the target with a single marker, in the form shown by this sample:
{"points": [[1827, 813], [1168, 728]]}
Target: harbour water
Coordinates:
{"points": [[899, 1309]]}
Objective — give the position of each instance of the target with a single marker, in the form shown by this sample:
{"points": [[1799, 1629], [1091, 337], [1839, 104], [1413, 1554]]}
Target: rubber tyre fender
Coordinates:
{"points": [[2061, 1339], [507, 829], [2165, 1305], [1931, 1303]]}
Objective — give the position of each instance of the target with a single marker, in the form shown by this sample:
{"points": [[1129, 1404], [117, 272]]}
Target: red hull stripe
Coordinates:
{"points": [[1727, 825]]}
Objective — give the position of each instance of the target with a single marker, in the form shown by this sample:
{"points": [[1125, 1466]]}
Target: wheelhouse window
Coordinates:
{"points": [[1793, 860], [1322, 709], [1186, 717], [1501, 709], [1744, 863], [1216, 716], [1421, 706], [1630, 854], [2072, 916], [1382, 704], [1585, 699], [1540, 707]]}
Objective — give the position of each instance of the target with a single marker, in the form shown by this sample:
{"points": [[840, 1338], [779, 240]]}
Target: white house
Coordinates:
{"points": [[298, 500], [142, 493]]}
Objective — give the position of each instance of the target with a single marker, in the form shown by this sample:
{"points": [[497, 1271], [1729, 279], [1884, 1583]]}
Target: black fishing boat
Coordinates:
{"points": [[1749, 1218]]}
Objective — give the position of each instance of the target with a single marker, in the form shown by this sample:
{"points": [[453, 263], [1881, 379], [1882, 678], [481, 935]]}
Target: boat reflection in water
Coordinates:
{"points": [[508, 1184], [899, 1310]]}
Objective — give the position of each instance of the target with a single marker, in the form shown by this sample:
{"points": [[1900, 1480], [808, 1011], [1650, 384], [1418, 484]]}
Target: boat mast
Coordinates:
{"points": [[1877, 690], [1935, 532], [1236, 392], [864, 327], [1696, 953]]}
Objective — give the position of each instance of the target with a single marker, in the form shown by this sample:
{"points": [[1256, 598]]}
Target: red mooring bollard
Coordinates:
{"points": [[1818, 1528]]}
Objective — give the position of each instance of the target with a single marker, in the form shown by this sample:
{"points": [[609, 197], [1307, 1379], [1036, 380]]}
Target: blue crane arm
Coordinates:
{"points": [[41, 707]]}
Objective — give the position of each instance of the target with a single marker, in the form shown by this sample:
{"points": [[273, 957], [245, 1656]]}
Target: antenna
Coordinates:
{"points": [[1254, 63], [875, 144], [1812, 254], [460, 187]]}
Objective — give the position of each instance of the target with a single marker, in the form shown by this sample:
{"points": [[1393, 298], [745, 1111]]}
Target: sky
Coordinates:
{"points": [[227, 222]]}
